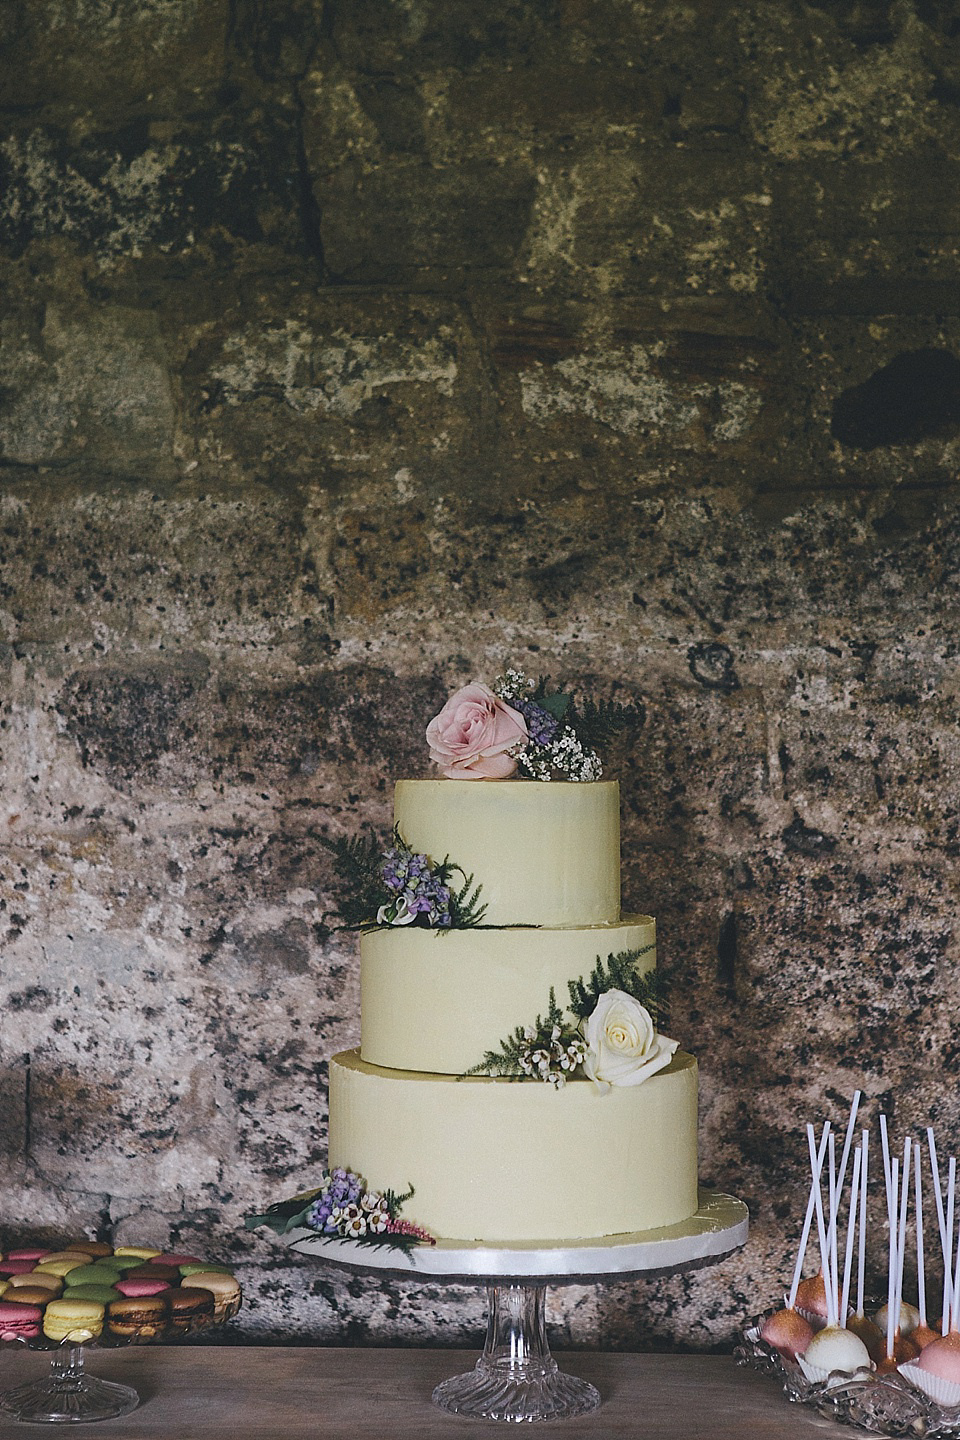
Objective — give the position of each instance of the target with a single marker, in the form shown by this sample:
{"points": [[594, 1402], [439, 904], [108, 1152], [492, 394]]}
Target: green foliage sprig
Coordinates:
{"points": [[619, 972], [516, 1048], [553, 1047], [356, 863]]}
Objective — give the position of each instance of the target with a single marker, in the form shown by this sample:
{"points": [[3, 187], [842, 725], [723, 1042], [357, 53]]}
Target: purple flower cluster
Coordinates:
{"points": [[344, 1188], [416, 889], [541, 725]]}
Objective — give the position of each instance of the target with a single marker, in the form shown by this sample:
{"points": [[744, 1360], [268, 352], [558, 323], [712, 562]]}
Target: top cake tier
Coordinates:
{"points": [[544, 854]]}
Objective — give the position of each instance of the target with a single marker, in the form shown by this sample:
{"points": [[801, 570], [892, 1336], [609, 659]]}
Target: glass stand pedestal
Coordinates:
{"points": [[68, 1393], [516, 1378]]}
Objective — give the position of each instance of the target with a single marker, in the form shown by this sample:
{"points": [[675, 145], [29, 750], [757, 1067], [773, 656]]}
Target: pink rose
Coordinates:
{"points": [[471, 735]]}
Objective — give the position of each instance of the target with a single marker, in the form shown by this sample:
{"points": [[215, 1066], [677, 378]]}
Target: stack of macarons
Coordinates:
{"points": [[87, 1290]]}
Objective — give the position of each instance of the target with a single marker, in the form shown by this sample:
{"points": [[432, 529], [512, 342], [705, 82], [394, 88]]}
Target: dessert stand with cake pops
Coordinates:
{"points": [[516, 1378], [69, 1393], [893, 1375]]}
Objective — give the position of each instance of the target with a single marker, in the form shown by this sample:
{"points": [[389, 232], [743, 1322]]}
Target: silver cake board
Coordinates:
{"points": [[718, 1226]]}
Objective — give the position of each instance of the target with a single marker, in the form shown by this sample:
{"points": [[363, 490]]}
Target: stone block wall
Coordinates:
{"points": [[350, 350]]}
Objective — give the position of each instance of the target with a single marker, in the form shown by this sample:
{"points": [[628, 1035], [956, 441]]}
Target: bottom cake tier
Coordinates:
{"points": [[507, 1160]]}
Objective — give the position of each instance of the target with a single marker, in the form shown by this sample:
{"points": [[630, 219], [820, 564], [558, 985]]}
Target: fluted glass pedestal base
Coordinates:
{"points": [[516, 1377], [68, 1394]]}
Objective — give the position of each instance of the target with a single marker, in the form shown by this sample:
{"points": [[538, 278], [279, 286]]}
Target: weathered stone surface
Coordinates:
{"points": [[349, 352]]}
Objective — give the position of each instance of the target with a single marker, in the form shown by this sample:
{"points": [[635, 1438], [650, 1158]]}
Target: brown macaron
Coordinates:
{"points": [[189, 1309], [225, 1290], [96, 1248], [53, 1284], [31, 1295], [154, 1272], [139, 1320]]}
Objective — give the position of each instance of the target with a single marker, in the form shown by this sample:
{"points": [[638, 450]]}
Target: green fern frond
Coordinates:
{"points": [[356, 862], [619, 972]]}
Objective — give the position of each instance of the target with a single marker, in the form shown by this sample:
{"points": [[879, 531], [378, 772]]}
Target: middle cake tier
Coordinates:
{"points": [[438, 1002]]}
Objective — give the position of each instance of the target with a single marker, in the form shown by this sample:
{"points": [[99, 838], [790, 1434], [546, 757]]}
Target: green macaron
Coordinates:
{"points": [[186, 1270], [92, 1275], [100, 1294]]}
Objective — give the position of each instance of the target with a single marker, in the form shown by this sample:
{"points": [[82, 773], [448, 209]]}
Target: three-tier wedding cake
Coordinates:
{"points": [[513, 1115]]}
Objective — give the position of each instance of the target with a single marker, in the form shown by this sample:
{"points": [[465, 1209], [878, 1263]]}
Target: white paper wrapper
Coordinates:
{"points": [[945, 1392], [818, 1376]]}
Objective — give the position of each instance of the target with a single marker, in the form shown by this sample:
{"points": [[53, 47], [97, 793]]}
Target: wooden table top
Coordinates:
{"points": [[232, 1393]]}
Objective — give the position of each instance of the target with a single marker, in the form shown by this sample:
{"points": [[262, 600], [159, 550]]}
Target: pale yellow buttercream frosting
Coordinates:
{"points": [[544, 853], [505, 1160], [439, 1002]]}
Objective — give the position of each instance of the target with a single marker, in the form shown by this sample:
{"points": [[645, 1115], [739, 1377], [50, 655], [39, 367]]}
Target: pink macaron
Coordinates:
{"points": [[32, 1254], [19, 1322], [174, 1260], [15, 1267], [136, 1289]]}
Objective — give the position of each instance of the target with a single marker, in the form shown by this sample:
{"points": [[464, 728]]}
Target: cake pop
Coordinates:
{"points": [[788, 1332], [833, 1349]]}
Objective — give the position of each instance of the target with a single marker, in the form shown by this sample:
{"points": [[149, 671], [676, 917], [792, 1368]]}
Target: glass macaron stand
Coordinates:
{"points": [[89, 1295]]}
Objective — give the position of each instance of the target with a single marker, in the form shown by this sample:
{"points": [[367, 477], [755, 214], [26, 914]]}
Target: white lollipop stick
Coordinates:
{"points": [[808, 1219], [847, 1142], [891, 1217], [955, 1288], [831, 1294], [947, 1258], [862, 1251], [938, 1196], [832, 1227], [851, 1226], [918, 1204], [892, 1263], [902, 1229]]}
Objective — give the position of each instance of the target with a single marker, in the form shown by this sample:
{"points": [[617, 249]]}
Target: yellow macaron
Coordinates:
{"points": [[74, 1320], [61, 1264], [143, 1252]]}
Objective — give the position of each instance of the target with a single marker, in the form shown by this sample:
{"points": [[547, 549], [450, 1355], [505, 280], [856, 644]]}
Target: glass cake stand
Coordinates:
{"points": [[516, 1377], [68, 1393]]}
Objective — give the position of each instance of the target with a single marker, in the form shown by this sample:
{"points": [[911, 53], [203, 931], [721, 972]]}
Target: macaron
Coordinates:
{"points": [[31, 1295], [123, 1263], [137, 1289], [91, 1275], [99, 1294], [95, 1248], [67, 1255], [199, 1268], [35, 1279], [19, 1322], [139, 1252], [10, 1267], [174, 1259], [189, 1309], [225, 1291], [33, 1253], [4, 1285], [62, 1265], [170, 1273], [139, 1319], [74, 1320]]}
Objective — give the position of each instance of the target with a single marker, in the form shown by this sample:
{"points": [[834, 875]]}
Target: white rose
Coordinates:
{"points": [[623, 1047]]}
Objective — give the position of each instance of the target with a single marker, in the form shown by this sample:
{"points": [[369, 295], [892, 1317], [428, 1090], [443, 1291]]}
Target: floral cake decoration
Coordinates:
{"points": [[523, 727], [609, 1033], [342, 1207], [398, 886]]}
